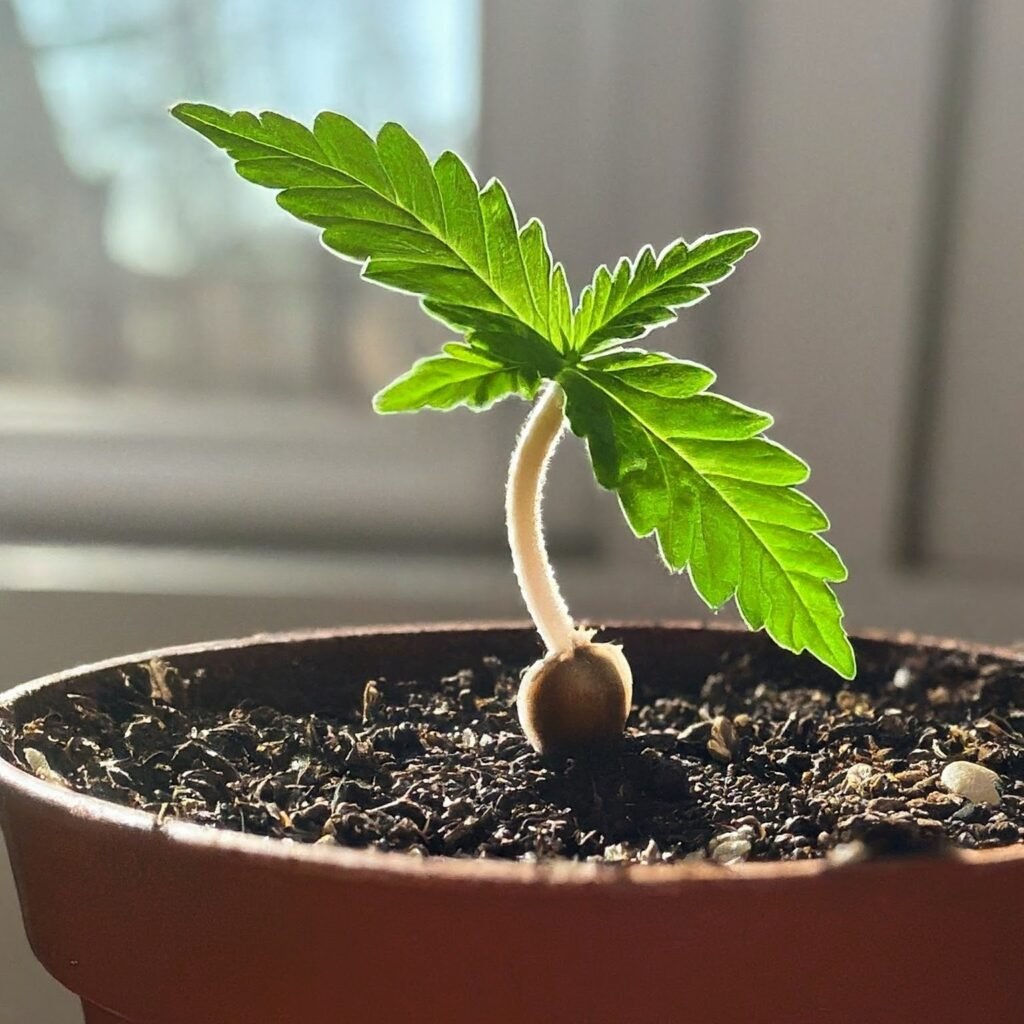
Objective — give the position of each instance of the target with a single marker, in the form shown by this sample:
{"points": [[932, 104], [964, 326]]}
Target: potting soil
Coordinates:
{"points": [[744, 764]]}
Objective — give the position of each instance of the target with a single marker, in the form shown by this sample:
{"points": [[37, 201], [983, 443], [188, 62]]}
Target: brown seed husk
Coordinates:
{"points": [[576, 701]]}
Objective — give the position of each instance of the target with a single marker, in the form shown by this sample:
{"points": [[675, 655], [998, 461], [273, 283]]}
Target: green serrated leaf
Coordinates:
{"points": [[462, 375], [427, 230], [647, 292], [692, 469]]}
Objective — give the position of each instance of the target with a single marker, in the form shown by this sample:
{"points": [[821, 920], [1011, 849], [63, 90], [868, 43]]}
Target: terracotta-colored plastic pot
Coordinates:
{"points": [[178, 924]]}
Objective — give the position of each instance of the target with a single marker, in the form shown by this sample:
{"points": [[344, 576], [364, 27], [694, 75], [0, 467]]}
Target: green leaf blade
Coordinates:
{"points": [[560, 310], [327, 205], [411, 176], [460, 199], [360, 239], [648, 292], [244, 135], [537, 266], [505, 254], [654, 372], [693, 470], [349, 148], [449, 285], [461, 375], [286, 172]]}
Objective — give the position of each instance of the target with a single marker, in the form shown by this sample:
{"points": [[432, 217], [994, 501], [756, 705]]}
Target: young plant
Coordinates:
{"points": [[690, 467]]}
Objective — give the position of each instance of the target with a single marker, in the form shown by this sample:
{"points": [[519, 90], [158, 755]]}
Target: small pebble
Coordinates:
{"points": [[885, 805], [731, 847], [734, 852], [973, 782], [41, 767], [858, 776]]}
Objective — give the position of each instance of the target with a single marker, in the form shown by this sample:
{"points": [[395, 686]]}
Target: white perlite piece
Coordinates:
{"points": [[847, 853], [902, 678], [971, 781]]}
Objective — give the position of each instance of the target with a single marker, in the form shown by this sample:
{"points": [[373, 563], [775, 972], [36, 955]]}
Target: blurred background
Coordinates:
{"points": [[187, 448]]}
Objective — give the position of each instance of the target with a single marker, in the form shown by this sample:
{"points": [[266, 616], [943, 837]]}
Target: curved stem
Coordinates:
{"points": [[526, 474]]}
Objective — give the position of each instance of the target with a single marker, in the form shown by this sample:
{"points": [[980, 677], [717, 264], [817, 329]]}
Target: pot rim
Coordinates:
{"points": [[326, 859]]}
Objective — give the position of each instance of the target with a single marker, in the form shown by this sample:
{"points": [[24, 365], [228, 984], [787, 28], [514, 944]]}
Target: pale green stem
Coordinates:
{"points": [[526, 475]]}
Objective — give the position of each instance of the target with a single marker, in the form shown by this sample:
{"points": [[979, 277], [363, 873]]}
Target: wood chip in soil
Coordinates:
{"points": [[744, 766]]}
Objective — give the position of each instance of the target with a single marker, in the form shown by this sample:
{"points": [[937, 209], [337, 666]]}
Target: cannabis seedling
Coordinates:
{"points": [[688, 466]]}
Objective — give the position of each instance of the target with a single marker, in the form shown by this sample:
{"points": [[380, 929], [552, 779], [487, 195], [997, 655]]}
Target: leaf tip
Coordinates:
{"points": [[383, 401], [184, 111], [843, 660], [448, 156], [393, 128], [493, 185]]}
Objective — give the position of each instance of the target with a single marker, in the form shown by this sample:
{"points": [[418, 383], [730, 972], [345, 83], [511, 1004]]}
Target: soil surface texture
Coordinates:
{"points": [[745, 765]]}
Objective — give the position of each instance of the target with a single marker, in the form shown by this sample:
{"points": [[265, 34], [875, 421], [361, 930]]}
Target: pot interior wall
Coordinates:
{"points": [[326, 673]]}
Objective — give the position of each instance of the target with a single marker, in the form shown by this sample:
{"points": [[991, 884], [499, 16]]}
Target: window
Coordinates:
{"points": [[182, 364], [155, 270]]}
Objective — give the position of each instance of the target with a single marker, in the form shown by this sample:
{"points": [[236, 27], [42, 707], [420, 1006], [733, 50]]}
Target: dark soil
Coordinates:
{"points": [[747, 766]]}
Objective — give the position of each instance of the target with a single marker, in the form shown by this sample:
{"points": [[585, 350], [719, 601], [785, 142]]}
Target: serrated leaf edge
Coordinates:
{"points": [[839, 666]]}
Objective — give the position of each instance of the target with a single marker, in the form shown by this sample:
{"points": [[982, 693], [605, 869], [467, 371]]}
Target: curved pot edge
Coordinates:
{"points": [[430, 871]]}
